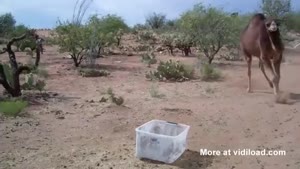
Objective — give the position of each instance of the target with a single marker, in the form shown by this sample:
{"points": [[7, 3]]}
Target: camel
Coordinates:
{"points": [[261, 38]]}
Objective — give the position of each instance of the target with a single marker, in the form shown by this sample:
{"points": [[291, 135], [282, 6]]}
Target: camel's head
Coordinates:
{"points": [[272, 25]]}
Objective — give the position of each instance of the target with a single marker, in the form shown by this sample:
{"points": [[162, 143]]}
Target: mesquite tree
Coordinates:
{"points": [[12, 86], [209, 29]]}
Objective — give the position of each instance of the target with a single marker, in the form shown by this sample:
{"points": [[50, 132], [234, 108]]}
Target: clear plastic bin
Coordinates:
{"points": [[161, 140]]}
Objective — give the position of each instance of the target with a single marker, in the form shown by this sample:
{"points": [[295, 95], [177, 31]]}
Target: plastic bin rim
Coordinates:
{"points": [[187, 127]]}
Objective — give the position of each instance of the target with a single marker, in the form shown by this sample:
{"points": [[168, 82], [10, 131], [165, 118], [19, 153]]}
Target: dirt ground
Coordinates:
{"points": [[70, 128]]}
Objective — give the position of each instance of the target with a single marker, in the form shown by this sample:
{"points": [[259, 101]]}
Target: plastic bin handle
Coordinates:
{"points": [[172, 123]]}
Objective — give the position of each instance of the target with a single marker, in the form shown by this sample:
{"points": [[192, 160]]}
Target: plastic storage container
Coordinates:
{"points": [[161, 140]]}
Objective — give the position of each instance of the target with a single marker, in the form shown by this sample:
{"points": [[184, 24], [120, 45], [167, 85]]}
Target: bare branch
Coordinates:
{"points": [[3, 51]]}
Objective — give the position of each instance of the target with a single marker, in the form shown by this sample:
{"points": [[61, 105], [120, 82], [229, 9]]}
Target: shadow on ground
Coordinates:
{"points": [[112, 67], [189, 160], [40, 98]]}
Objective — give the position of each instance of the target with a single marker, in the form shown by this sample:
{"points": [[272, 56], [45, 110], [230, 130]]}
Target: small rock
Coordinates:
{"points": [[61, 117]]}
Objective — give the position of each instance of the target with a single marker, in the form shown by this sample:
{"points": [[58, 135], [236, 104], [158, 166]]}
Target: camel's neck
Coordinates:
{"points": [[275, 39]]}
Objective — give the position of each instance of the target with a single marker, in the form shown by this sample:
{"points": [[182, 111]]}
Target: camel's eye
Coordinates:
{"points": [[268, 24]]}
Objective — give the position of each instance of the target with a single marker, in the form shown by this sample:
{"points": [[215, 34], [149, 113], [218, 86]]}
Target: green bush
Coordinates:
{"points": [[117, 100], [41, 72], [147, 36], [32, 82], [149, 58], [8, 73], [12, 108], [171, 71], [209, 73]]}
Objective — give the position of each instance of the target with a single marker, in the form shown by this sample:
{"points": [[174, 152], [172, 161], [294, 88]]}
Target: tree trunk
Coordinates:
{"points": [[186, 51], [13, 89], [5, 84], [118, 41], [210, 59], [38, 57]]}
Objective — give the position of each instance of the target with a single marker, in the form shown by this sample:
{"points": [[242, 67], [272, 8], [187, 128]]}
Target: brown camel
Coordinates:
{"points": [[261, 38]]}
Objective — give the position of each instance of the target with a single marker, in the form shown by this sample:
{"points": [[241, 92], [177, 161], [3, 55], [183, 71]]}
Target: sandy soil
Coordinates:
{"points": [[70, 128]]}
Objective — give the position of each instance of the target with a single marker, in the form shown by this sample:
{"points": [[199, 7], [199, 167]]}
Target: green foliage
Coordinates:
{"points": [[12, 108], [19, 30], [41, 72], [147, 36], [168, 40], [108, 29], [209, 73], [171, 25], [184, 42], [32, 82], [171, 71], [209, 28], [156, 21], [117, 100], [109, 23], [149, 58], [8, 73], [138, 27], [7, 23], [88, 72], [72, 38], [87, 40], [276, 8], [292, 21]]}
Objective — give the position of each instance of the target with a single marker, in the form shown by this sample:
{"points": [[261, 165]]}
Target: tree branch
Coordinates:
{"points": [[15, 39], [2, 52], [3, 80], [21, 69]]}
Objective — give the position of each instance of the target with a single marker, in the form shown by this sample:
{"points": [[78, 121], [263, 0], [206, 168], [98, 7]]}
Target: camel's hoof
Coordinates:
{"points": [[249, 90], [271, 85]]}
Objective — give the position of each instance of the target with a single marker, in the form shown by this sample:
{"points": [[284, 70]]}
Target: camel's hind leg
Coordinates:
{"points": [[248, 58], [262, 68]]}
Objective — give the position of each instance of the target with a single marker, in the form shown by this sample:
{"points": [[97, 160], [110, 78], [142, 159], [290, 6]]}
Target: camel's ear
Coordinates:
{"points": [[266, 15]]}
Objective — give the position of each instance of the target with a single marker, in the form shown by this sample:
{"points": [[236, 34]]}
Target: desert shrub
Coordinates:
{"points": [[171, 71], [184, 42], [88, 72], [33, 82], [292, 21], [149, 58], [137, 28], [142, 48], [155, 93], [112, 96], [209, 73], [276, 8], [156, 21], [41, 72], [7, 24], [12, 108], [168, 40], [147, 36], [209, 28]]}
